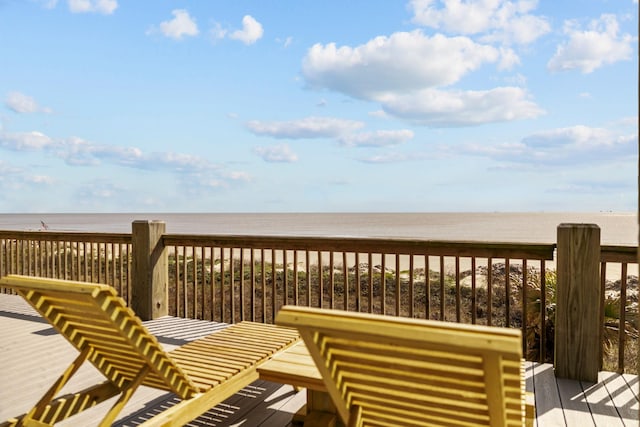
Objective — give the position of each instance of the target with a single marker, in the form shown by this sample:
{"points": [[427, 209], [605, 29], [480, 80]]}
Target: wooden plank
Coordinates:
{"points": [[623, 397], [286, 373], [600, 404], [574, 405], [528, 378], [632, 382], [276, 406], [548, 405]]}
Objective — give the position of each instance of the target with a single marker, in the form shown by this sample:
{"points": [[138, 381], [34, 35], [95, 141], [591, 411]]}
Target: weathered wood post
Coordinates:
{"points": [[150, 276], [577, 325]]}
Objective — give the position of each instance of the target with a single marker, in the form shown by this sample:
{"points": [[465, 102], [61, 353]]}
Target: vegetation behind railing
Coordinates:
{"points": [[234, 278]]}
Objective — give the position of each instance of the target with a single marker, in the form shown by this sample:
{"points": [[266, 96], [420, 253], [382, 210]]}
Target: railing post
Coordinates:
{"points": [[150, 277], [577, 324]]}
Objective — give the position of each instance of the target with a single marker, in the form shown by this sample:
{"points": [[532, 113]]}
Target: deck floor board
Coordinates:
{"points": [[602, 406], [32, 355]]}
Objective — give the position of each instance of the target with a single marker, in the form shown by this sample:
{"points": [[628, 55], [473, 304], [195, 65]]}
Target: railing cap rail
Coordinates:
{"points": [[617, 253], [67, 236], [384, 245]]}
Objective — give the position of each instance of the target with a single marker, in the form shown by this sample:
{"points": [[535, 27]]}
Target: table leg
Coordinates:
{"points": [[318, 412]]}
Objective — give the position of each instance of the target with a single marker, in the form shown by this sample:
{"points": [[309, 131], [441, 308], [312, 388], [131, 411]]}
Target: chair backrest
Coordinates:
{"points": [[91, 315], [387, 370]]}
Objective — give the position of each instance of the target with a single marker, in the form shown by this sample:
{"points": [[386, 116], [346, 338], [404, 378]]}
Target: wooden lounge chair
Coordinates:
{"points": [[97, 322], [391, 371]]}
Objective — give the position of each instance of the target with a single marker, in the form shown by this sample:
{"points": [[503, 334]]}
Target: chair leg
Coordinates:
{"points": [[355, 416], [38, 410], [127, 392], [65, 406]]}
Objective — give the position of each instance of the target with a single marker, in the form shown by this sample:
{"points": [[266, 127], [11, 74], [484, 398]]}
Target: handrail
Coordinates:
{"points": [[370, 244], [625, 254], [67, 236]]}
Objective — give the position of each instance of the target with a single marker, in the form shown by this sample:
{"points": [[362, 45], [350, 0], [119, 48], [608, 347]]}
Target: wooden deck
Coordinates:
{"points": [[32, 355]]}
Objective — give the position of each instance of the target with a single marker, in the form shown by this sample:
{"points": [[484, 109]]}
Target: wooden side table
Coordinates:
{"points": [[295, 366]]}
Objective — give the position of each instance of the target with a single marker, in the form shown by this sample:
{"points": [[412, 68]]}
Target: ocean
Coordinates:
{"points": [[537, 227]]}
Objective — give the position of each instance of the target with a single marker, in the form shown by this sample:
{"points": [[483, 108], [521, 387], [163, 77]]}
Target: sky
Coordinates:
{"points": [[318, 106]]}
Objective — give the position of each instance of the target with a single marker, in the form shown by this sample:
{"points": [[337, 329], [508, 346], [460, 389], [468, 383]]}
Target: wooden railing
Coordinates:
{"points": [[345, 273], [90, 257], [234, 278], [619, 313]]}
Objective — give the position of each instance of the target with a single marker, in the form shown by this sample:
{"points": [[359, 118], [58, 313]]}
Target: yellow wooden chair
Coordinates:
{"points": [[391, 371], [108, 334]]}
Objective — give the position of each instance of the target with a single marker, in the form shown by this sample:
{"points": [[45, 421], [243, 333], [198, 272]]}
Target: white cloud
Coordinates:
{"points": [[439, 108], [593, 187], [592, 48], [15, 178], [469, 18], [177, 162], [77, 152], [25, 141], [579, 137], [285, 42], [40, 179], [201, 183], [251, 31], [389, 158], [99, 191], [7, 169], [380, 138], [403, 73], [410, 73], [217, 32], [195, 174], [628, 121], [520, 30], [516, 79], [181, 25], [564, 146], [21, 103], [378, 114], [276, 154], [238, 176], [497, 20], [310, 127], [106, 7], [204, 182], [508, 59], [80, 152], [401, 62]]}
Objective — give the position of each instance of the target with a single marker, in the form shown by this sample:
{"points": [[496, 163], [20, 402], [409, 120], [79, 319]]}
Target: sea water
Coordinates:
{"points": [[536, 227]]}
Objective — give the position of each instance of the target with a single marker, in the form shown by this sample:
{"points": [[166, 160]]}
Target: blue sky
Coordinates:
{"points": [[309, 106]]}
